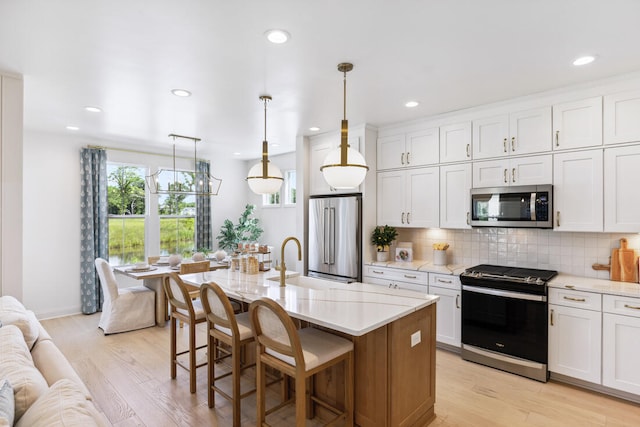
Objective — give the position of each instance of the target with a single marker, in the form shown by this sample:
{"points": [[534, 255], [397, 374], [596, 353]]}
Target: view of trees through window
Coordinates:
{"points": [[127, 213]]}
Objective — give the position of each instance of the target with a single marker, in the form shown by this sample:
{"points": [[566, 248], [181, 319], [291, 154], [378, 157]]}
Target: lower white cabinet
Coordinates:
{"points": [[449, 309], [395, 278], [621, 343], [575, 331]]}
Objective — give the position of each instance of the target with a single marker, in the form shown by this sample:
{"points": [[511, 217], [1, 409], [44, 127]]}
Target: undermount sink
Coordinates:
{"points": [[304, 282]]}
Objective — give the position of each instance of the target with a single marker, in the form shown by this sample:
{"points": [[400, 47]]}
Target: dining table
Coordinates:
{"points": [[153, 277]]}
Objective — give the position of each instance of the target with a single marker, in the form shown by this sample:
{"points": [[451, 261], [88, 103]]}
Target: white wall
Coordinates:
{"points": [[51, 237]]}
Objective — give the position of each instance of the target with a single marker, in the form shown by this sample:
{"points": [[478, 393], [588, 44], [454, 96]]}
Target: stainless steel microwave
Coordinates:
{"points": [[517, 206]]}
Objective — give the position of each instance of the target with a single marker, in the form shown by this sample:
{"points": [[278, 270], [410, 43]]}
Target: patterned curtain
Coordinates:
{"points": [[94, 225], [203, 211]]}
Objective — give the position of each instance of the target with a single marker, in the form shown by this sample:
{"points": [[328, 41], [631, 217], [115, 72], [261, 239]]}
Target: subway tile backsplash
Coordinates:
{"points": [[570, 253]]}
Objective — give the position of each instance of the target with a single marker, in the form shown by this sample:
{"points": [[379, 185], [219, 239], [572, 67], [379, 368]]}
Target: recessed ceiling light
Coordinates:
{"points": [[277, 36], [73, 128], [584, 60], [181, 92], [93, 109], [314, 129], [411, 104], [237, 153]]}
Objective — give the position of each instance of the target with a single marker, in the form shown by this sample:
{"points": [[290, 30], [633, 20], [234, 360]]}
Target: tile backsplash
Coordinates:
{"points": [[570, 253]]}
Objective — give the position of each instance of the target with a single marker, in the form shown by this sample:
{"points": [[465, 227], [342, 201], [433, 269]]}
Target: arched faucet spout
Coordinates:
{"points": [[283, 268]]}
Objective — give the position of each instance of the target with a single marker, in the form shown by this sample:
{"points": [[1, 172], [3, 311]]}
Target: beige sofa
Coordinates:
{"points": [[46, 389]]}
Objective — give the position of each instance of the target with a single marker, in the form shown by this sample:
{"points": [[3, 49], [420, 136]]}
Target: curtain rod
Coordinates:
{"points": [[128, 150]]}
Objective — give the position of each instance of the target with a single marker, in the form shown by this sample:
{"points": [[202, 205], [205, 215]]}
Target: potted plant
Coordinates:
{"points": [[246, 230], [381, 238]]}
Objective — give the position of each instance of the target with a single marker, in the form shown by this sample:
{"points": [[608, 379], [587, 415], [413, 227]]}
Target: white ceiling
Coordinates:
{"points": [[126, 55]]}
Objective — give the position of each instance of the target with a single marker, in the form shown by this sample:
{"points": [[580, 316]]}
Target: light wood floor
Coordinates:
{"points": [[128, 375]]}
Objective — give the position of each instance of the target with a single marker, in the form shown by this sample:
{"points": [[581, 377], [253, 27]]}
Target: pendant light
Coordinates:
{"points": [[265, 177], [344, 167]]}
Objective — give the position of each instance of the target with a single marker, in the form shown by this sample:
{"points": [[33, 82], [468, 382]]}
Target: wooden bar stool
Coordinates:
{"points": [[190, 312], [299, 354], [234, 331]]}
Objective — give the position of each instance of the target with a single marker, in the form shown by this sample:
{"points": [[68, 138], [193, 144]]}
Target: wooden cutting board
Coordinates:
{"points": [[624, 263]]}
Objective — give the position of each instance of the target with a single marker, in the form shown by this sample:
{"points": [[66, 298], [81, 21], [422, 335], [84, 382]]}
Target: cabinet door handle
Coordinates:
{"points": [[504, 174], [633, 307], [468, 221], [557, 138], [410, 277], [402, 219], [458, 301], [443, 281], [558, 219], [513, 143], [551, 312], [408, 157], [513, 175], [377, 272], [408, 217], [468, 147], [504, 144], [575, 299], [402, 158], [390, 285]]}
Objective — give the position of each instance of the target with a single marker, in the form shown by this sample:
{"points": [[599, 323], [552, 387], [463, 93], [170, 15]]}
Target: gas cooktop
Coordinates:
{"points": [[508, 278]]}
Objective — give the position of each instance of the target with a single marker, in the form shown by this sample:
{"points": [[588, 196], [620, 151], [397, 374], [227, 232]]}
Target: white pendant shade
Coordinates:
{"points": [[269, 185], [348, 176]]}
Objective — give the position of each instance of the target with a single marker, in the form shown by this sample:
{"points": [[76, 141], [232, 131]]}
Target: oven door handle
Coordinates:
{"points": [[506, 294]]}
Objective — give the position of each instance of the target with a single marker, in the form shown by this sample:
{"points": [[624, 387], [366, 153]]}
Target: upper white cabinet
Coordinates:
{"points": [[577, 191], [407, 198], [577, 124], [455, 142], [534, 170], [621, 201], [522, 132], [319, 148], [455, 184], [622, 117], [418, 148]]}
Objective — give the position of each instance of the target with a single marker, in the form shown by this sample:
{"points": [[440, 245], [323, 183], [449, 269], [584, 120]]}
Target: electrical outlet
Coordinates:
{"points": [[416, 337]]}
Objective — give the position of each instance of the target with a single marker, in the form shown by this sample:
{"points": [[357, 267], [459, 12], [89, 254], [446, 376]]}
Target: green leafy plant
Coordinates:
{"points": [[383, 236], [246, 230]]}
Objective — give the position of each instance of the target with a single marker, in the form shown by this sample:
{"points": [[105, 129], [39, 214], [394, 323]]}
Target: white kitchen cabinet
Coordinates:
{"points": [[319, 147], [455, 142], [518, 133], [455, 202], [621, 113], [418, 148], [621, 343], [621, 201], [395, 278], [575, 329], [578, 191], [405, 198], [577, 124], [449, 310], [534, 170]]}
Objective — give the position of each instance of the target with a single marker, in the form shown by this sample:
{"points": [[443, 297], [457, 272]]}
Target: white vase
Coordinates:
{"points": [[439, 257], [174, 260], [383, 256]]}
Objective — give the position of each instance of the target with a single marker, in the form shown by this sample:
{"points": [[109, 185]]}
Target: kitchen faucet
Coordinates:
{"points": [[283, 268]]}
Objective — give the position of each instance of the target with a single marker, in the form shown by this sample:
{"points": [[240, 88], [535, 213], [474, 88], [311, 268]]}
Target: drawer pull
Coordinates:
{"points": [[633, 307], [377, 272], [569, 286], [458, 301], [443, 281], [575, 299], [551, 317], [410, 277]]}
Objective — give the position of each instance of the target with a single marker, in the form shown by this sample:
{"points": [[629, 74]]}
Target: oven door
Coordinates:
{"points": [[506, 322]]}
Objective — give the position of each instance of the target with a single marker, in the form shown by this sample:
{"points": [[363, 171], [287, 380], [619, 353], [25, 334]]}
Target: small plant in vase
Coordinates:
{"points": [[381, 238]]}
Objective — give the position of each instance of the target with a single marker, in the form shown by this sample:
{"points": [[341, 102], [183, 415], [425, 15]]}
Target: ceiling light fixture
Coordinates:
{"points": [[411, 104], [73, 128], [181, 92], [277, 36], [91, 109], [314, 128], [199, 183], [265, 177], [344, 167], [584, 60]]}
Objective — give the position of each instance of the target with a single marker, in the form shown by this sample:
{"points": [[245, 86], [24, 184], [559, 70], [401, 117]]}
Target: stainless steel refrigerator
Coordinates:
{"points": [[335, 236]]}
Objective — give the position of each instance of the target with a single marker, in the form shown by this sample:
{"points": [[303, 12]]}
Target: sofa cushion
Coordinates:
{"points": [[17, 366], [52, 364], [64, 404], [12, 312], [7, 404]]}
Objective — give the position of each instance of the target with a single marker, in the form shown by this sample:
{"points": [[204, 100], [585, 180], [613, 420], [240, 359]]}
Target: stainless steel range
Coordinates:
{"points": [[504, 318]]}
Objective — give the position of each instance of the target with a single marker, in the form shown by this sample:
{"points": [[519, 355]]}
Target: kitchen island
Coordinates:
{"points": [[393, 332]]}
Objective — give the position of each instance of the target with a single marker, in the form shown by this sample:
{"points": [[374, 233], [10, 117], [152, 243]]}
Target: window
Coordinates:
{"points": [[271, 199], [177, 214], [290, 187], [127, 208]]}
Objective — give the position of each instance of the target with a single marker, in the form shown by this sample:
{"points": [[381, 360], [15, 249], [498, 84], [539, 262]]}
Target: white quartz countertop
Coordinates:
{"points": [[354, 308], [589, 284], [418, 265]]}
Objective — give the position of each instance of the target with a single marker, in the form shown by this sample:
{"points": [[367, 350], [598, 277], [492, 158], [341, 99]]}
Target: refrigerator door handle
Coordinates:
{"points": [[325, 233], [332, 236]]}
